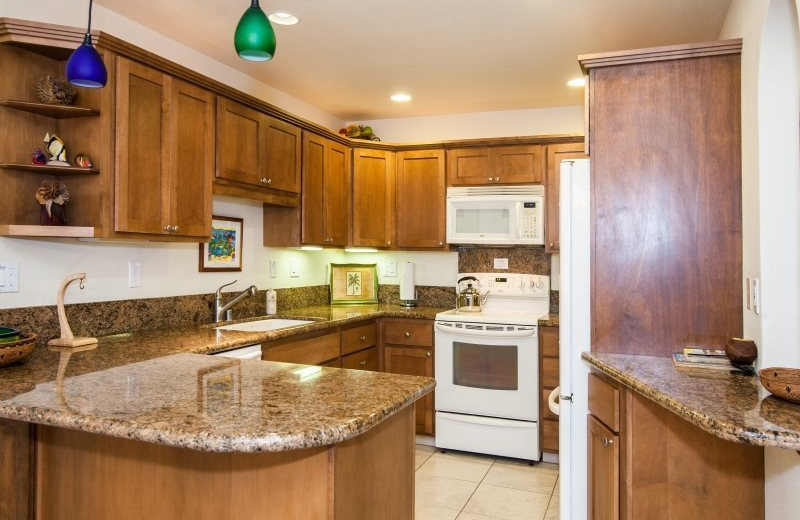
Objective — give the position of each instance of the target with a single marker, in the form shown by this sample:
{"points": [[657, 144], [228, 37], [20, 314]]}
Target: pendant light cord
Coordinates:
{"points": [[89, 27]]}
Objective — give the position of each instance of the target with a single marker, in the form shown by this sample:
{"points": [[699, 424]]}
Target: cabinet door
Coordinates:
{"points": [[373, 197], [241, 155], [414, 361], [555, 154], [603, 472], [362, 360], [283, 143], [313, 222], [337, 193], [191, 159], [142, 149], [517, 164], [421, 199], [467, 166]]}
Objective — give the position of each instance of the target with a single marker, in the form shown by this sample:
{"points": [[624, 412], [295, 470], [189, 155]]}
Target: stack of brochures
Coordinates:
{"points": [[693, 357]]}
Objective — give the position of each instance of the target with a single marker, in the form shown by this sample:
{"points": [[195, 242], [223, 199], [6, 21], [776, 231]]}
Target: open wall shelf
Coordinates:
{"points": [[54, 111], [50, 170]]}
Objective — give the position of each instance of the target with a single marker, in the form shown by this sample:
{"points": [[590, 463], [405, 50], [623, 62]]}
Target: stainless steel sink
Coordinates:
{"points": [[264, 325]]}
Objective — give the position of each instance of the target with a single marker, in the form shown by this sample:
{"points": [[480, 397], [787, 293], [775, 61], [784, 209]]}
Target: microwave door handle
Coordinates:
{"points": [[485, 333]]}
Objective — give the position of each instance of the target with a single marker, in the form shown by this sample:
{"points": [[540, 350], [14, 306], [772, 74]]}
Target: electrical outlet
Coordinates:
{"points": [[755, 295], [390, 268], [294, 268], [273, 269], [501, 263], [9, 277], [134, 273]]}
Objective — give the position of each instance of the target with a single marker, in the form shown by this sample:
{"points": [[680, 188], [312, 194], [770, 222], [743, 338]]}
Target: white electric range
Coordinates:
{"points": [[487, 368]]}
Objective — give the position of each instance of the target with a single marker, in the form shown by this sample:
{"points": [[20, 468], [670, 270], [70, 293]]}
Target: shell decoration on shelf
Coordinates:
{"points": [[52, 197], [57, 150], [55, 91]]}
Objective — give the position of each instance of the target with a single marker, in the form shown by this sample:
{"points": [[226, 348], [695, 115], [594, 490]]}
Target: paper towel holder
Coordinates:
{"points": [[408, 304]]}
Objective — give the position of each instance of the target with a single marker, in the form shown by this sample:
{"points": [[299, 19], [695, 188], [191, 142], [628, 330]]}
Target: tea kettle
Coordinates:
{"points": [[470, 299]]}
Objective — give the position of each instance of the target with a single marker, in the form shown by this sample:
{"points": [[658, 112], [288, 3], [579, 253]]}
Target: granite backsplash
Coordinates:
{"points": [[520, 260]]}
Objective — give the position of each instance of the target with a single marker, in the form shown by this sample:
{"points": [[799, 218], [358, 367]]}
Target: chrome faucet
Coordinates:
{"points": [[220, 309]]}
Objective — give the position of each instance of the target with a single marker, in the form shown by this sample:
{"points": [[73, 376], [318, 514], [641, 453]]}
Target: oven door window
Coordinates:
{"points": [[485, 366]]}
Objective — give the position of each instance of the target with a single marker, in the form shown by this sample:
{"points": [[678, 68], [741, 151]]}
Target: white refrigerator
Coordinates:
{"points": [[575, 336]]}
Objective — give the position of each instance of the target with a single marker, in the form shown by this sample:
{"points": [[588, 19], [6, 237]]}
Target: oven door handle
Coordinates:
{"points": [[487, 333]]}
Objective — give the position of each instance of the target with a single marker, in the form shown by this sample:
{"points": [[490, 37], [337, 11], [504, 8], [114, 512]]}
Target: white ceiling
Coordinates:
{"points": [[347, 57]]}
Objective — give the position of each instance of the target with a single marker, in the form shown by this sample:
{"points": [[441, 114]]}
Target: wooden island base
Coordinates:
{"points": [[81, 475]]}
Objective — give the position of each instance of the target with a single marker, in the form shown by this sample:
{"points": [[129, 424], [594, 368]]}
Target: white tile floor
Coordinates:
{"points": [[464, 486]]}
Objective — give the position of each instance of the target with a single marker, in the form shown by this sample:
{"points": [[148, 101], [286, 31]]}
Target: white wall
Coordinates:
{"points": [[771, 202], [505, 123]]}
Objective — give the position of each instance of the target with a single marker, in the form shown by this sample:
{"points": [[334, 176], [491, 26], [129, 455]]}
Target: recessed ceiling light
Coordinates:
{"points": [[577, 82], [283, 18], [401, 98]]}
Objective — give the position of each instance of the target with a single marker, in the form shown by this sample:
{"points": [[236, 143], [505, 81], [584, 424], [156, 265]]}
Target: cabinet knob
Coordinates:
{"points": [[441, 244], [408, 334], [363, 363], [175, 229], [167, 228], [497, 179], [607, 442], [551, 244], [363, 338], [428, 354], [265, 180], [388, 242], [490, 179], [269, 181]]}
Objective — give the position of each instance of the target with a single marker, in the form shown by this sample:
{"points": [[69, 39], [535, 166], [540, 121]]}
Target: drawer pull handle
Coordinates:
{"points": [[363, 338], [408, 334], [607, 442], [428, 354]]}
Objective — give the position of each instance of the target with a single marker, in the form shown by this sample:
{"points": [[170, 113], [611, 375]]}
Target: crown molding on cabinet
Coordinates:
{"points": [[670, 52]]}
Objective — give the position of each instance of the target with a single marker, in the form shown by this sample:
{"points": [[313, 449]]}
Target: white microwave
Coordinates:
{"points": [[497, 215]]}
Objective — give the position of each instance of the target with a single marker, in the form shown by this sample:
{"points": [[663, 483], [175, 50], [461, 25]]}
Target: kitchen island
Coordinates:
{"points": [[144, 426]]}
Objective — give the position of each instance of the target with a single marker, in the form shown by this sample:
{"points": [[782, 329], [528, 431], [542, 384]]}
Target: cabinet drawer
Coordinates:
{"points": [[407, 332], [359, 338], [548, 341], [363, 360], [309, 351], [549, 435], [604, 401], [546, 413], [334, 363], [550, 372]]}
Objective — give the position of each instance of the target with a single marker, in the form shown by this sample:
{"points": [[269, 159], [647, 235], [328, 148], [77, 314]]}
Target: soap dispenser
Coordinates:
{"points": [[272, 302]]}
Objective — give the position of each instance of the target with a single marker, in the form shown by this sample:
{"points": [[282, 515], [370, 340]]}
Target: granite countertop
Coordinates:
{"points": [[549, 320], [732, 407], [155, 386]]}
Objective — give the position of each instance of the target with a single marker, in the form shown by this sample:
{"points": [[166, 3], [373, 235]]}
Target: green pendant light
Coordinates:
{"points": [[254, 38]]}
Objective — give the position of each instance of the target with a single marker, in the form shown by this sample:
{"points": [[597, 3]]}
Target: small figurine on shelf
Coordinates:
{"points": [[83, 160], [58, 151], [38, 157], [55, 91], [52, 197]]}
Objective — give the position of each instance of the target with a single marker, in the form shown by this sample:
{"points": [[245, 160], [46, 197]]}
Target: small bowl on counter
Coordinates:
{"points": [[7, 335], [17, 350], [782, 382]]}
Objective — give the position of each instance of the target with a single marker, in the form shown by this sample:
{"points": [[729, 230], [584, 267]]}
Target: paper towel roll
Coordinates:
{"points": [[408, 289]]}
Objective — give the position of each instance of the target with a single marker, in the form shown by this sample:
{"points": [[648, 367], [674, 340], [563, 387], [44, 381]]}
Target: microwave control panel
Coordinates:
{"points": [[529, 224]]}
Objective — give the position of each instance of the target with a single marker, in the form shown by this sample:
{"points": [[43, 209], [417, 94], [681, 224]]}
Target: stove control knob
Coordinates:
{"points": [[539, 284], [531, 284]]}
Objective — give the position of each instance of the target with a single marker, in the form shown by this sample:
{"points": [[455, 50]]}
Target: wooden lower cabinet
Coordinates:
{"points": [[414, 361], [548, 381], [646, 462], [367, 359], [315, 350]]}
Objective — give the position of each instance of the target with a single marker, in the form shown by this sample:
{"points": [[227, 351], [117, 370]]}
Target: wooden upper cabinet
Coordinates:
{"points": [[241, 133], [142, 149], [313, 219], [337, 193], [555, 154], [283, 144], [191, 163], [469, 166], [484, 165], [373, 198], [518, 164], [421, 199]]}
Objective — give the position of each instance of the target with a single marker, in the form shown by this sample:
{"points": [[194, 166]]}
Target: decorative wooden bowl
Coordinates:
{"points": [[17, 350], [782, 382]]}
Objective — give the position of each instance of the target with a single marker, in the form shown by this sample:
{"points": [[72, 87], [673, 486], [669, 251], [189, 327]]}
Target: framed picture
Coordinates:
{"points": [[354, 283], [219, 388], [223, 252]]}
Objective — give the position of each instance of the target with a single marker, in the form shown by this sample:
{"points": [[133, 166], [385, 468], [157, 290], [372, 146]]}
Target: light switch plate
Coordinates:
{"points": [[755, 295], [273, 269], [294, 268], [501, 263], [9, 277], [134, 273], [390, 268]]}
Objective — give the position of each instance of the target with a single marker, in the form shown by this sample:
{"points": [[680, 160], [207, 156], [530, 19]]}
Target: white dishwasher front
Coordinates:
{"points": [[248, 352]]}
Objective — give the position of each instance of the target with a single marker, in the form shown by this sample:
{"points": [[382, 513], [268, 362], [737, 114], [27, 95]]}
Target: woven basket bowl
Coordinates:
{"points": [[782, 382], [17, 350]]}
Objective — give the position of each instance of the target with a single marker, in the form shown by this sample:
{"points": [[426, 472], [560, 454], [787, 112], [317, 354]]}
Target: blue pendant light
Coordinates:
{"points": [[254, 38], [85, 67]]}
